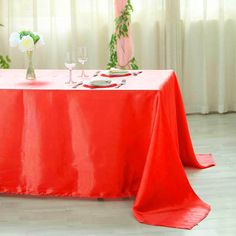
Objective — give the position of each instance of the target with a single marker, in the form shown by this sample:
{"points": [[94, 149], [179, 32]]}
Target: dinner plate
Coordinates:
{"points": [[107, 74], [99, 82]]}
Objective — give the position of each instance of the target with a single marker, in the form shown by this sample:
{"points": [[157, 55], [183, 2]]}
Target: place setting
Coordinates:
{"points": [[112, 78], [100, 83], [96, 83], [105, 79], [116, 73], [100, 79]]}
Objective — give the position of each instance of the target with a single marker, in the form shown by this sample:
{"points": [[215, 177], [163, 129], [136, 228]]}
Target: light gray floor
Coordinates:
{"points": [[217, 186]]}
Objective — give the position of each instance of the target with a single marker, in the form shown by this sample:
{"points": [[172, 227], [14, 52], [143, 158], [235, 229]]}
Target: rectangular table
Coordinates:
{"points": [[101, 143]]}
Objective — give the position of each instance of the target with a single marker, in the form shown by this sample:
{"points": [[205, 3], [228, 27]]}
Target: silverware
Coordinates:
{"points": [[97, 73], [78, 84], [137, 73], [123, 82]]}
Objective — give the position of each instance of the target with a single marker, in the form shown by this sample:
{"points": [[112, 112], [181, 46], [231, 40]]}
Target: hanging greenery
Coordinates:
{"points": [[122, 23], [4, 60]]}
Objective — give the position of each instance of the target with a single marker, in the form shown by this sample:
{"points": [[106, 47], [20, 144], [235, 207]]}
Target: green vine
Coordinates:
{"points": [[122, 24], [4, 60]]}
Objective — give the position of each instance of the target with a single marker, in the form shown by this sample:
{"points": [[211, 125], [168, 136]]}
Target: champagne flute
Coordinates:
{"points": [[70, 63], [82, 59]]}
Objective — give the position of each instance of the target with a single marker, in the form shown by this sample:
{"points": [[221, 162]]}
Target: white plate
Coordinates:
{"points": [[99, 82], [107, 72]]}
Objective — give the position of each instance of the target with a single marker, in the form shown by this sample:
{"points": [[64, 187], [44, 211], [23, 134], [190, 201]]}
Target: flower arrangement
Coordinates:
{"points": [[26, 41]]}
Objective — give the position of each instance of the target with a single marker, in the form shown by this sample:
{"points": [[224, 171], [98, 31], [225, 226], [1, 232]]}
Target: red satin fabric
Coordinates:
{"points": [[103, 144]]}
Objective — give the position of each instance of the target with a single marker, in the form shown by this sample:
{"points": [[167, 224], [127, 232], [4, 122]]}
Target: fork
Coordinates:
{"points": [[137, 73], [77, 85], [97, 73], [123, 82]]}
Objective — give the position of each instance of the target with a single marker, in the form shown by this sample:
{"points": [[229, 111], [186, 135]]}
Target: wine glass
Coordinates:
{"points": [[70, 63], [82, 59]]}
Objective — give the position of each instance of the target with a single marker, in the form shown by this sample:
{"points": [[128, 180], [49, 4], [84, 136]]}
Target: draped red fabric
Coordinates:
{"points": [[165, 196], [105, 143]]}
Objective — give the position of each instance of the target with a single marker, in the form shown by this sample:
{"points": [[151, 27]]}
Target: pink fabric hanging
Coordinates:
{"points": [[124, 45]]}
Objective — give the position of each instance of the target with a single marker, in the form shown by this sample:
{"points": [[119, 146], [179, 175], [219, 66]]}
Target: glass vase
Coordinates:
{"points": [[30, 74]]}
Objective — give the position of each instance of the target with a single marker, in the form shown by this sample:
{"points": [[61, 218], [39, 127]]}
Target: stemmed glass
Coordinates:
{"points": [[70, 63], [82, 59]]}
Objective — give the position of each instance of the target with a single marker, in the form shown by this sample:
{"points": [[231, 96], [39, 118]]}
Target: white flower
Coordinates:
{"points": [[14, 39], [41, 41], [26, 44]]}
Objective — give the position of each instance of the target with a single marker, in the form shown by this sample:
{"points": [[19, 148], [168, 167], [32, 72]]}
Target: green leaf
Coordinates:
{"points": [[118, 20], [134, 66], [125, 28], [8, 59], [31, 34], [25, 33], [36, 38]]}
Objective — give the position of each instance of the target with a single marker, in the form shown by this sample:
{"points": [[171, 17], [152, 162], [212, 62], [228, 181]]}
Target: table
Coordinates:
{"points": [[101, 143]]}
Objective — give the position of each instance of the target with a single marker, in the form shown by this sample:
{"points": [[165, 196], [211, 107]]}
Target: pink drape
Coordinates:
{"points": [[124, 45]]}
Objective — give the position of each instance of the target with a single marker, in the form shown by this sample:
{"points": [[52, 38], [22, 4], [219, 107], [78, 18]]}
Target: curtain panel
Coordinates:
{"points": [[65, 25], [195, 38]]}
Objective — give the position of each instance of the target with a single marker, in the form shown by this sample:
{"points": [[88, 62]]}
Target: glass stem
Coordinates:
{"points": [[70, 75], [82, 74]]}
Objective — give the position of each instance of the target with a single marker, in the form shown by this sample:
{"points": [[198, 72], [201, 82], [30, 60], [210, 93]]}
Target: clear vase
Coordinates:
{"points": [[30, 74]]}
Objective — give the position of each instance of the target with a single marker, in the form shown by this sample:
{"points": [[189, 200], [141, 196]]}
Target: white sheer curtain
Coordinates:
{"points": [[209, 62], [157, 34], [64, 24], [196, 38]]}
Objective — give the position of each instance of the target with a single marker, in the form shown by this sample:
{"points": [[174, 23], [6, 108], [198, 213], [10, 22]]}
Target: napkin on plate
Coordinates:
{"points": [[99, 83], [116, 71]]}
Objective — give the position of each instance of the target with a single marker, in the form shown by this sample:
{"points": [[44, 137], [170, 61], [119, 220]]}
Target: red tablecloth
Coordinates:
{"points": [[104, 143]]}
